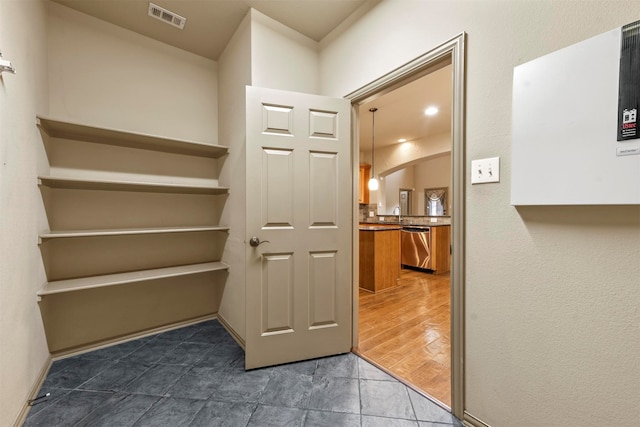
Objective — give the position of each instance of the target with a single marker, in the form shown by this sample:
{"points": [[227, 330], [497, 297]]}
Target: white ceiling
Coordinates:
{"points": [[211, 23], [401, 112]]}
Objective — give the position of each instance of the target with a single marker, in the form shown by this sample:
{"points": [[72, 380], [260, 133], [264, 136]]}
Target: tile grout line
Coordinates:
{"points": [[359, 388], [413, 408], [341, 366]]}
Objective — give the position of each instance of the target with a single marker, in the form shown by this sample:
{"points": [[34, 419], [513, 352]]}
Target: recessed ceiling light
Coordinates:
{"points": [[431, 111], [402, 140]]}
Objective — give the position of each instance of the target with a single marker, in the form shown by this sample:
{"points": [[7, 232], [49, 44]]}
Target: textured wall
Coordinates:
{"points": [[234, 74], [392, 183], [433, 173], [23, 349], [552, 324], [282, 58], [254, 56], [108, 76]]}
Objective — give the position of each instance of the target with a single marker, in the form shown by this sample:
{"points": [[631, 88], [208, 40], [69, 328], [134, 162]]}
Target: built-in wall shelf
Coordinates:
{"points": [[84, 283], [61, 234], [68, 130], [108, 194], [119, 185]]}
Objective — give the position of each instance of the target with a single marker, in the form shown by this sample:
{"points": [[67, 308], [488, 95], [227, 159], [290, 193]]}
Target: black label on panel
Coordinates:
{"points": [[629, 85]]}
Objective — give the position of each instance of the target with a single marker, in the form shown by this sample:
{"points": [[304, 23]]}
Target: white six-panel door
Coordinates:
{"points": [[299, 206]]}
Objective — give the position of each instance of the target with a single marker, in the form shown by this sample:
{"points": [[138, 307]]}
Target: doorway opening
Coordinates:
{"points": [[426, 303], [406, 202]]}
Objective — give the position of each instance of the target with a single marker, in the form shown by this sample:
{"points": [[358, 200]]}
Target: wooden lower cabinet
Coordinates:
{"points": [[379, 259], [441, 249]]}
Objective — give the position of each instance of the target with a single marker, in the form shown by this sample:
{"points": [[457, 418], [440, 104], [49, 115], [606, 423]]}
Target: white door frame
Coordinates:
{"points": [[451, 52]]}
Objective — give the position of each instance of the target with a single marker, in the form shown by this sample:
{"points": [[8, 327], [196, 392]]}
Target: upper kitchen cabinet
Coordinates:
{"points": [[363, 193]]}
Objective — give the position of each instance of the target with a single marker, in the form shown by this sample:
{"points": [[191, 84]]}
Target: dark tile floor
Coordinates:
{"points": [[194, 376]]}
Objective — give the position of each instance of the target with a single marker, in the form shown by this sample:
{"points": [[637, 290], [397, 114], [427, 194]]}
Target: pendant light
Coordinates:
{"points": [[373, 182]]}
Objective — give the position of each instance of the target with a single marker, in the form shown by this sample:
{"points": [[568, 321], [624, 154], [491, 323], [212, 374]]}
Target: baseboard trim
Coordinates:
{"points": [[232, 332], [22, 416], [472, 421], [63, 354]]}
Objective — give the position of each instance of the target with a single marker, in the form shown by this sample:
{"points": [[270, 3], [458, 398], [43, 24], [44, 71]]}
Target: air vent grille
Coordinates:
{"points": [[166, 16]]}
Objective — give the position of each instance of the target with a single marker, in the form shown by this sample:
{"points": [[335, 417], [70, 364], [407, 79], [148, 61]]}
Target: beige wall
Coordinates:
{"points": [[107, 76], [23, 349], [234, 75], [433, 173], [551, 292], [254, 56], [390, 186], [282, 58], [76, 68], [391, 158]]}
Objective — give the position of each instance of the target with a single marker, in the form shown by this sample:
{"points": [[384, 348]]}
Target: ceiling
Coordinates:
{"points": [[210, 24], [401, 112]]}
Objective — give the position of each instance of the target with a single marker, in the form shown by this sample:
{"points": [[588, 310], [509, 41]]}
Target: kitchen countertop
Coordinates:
{"points": [[391, 224], [378, 227]]}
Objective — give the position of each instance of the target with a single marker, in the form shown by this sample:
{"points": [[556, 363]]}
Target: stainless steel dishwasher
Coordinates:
{"points": [[416, 247]]}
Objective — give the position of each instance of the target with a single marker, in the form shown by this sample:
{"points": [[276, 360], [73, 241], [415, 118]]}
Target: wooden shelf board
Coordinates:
{"points": [[116, 185], [58, 234], [79, 132], [84, 283]]}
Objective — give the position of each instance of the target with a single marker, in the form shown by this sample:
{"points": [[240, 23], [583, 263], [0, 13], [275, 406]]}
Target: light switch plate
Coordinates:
{"points": [[485, 170]]}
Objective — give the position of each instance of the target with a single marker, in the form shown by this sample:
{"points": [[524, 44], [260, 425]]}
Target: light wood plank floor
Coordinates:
{"points": [[406, 330]]}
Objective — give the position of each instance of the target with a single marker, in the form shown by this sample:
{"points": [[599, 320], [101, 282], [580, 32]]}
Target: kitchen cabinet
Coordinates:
{"points": [[379, 257], [363, 194], [441, 249]]}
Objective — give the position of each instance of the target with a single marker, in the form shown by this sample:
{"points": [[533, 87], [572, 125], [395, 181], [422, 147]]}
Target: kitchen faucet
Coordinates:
{"points": [[398, 211]]}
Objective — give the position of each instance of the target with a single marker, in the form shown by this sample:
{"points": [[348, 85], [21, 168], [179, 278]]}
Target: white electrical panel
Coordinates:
{"points": [[565, 122]]}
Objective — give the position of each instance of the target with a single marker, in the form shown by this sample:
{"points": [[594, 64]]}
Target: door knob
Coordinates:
{"points": [[255, 241]]}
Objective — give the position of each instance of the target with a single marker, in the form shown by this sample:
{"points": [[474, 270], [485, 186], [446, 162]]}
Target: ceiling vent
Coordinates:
{"points": [[167, 16]]}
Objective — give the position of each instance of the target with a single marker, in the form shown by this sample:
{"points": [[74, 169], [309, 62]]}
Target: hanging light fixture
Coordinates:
{"points": [[373, 182]]}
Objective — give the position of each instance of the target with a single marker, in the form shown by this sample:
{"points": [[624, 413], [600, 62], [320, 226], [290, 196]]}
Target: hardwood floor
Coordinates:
{"points": [[407, 330]]}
